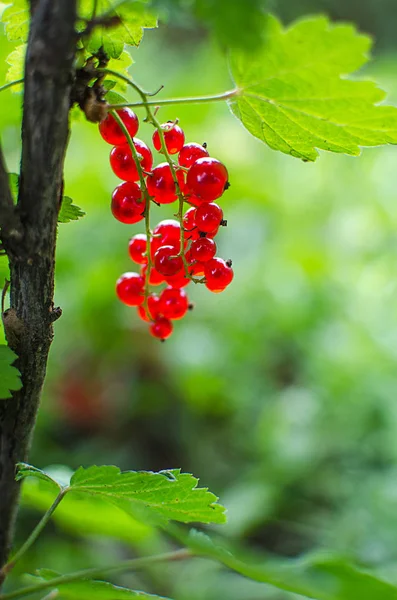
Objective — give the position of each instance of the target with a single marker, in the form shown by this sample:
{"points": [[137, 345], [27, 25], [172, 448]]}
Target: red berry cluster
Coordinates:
{"points": [[201, 180]]}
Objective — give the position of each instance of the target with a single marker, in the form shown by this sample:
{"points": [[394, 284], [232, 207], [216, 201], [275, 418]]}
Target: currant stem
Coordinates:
{"points": [[190, 100], [147, 201], [128, 565], [35, 533], [11, 84]]}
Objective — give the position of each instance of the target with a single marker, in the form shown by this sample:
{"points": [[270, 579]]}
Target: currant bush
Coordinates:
{"points": [[178, 251]]}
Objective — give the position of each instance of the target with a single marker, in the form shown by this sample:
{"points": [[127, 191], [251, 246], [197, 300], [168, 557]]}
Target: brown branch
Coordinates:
{"points": [[10, 224], [48, 79]]}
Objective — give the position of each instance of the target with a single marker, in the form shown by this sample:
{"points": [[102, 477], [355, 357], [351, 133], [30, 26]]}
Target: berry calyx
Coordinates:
{"points": [[173, 303], [128, 204], [190, 153], [123, 164], [130, 289], [137, 248], [161, 328], [161, 185], [203, 249], [174, 137], [218, 274], [207, 178], [167, 262], [111, 131], [208, 217]]}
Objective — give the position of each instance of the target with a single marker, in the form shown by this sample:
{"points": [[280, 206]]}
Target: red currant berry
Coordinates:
{"points": [[169, 230], [128, 204], [218, 274], [173, 303], [137, 248], [207, 178], [189, 225], [208, 217], [190, 153], [167, 262], [129, 288], [174, 137], [166, 233], [155, 277], [178, 281], [123, 164], [153, 308], [194, 200], [161, 186], [197, 269], [161, 328], [203, 249], [111, 131]]}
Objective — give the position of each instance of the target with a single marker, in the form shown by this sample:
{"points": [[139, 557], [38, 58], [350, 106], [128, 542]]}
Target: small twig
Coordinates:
{"points": [[156, 92], [10, 84]]}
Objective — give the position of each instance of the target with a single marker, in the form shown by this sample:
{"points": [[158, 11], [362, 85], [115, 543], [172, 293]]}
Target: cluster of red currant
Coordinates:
{"points": [[175, 252]]}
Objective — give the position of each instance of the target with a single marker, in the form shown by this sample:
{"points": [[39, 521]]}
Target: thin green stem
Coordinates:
{"points": [[11, 84], [129, 81], [190, 100], [128, 565], [177, 189], [35, 533], [147, 201]]}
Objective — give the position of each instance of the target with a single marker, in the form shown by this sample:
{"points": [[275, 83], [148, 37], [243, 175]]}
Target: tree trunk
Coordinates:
{"points": [[28, 234]]}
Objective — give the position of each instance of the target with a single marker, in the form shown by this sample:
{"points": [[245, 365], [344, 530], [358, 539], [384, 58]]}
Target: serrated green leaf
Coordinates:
{"points": [[16, 62], [24, 470], [135, 17], [13, 180], [152, 497], [292, 94], [9, 375], [88, 589], [86, 515], [16, 21], [121, 65], [69, 211]]}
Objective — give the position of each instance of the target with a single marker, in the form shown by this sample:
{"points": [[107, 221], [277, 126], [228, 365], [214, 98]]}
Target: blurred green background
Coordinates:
{"points": [[279, 393]]}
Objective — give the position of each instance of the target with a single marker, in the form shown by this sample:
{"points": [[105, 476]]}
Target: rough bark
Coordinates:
{"points": [[31, 252]]}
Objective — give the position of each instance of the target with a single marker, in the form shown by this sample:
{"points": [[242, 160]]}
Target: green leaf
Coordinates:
{"points": [[115, 98], [80, 514], [13, 180], [9, 375], [24, 470], [16, 62], [134, 18], [293, 94], [16, 21], [152, 497], [121, 65], [69, 211], [88, 589], [320, 576]]}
